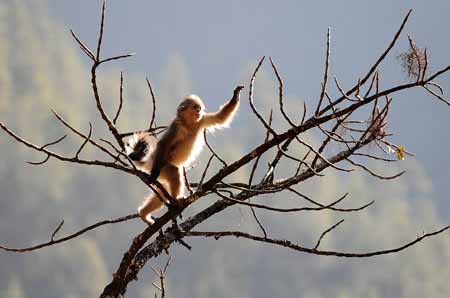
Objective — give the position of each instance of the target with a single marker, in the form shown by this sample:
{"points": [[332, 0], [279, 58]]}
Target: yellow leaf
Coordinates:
{"points": [[400, 152]]}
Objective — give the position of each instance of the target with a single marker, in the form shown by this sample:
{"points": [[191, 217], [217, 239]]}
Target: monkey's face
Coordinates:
{"points": [[191, 110]]}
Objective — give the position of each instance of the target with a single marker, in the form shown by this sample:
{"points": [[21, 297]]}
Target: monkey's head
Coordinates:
{"points": [[191, 109]]}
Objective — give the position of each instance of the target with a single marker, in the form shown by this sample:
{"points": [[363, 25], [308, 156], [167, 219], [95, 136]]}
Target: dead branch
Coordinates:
{"points": [[255, 165], [77, 132], [69, 237], [374, 66], [250, 98], [280, 94], [120, 99], [326, 232], [296, 247], [325, 74], [152, 121], [161, 275], [329, 206], [212, 150], [74, 159]]}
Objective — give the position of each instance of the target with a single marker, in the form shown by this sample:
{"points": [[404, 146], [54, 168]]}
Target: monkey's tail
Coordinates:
{"points": [[140, 146]]}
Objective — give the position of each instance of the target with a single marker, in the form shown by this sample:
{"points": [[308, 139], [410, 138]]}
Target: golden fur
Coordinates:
{"points": [[181, 144]]}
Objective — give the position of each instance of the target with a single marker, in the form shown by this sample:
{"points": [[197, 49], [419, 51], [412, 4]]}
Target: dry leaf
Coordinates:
{"points": [[400, 152]]}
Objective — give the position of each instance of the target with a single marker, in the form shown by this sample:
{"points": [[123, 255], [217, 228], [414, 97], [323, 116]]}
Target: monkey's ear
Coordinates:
{"points": [[182, 107]]}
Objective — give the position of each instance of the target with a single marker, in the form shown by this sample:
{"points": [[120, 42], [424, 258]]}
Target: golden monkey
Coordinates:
{"points": [[178, 147]]}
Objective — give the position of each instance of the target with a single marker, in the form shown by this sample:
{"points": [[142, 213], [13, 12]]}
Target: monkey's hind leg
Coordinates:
{"points": [[151, 204], [172, 180]]}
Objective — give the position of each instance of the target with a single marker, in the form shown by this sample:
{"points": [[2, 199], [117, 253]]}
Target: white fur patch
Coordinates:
{"points": [[131, 141]]}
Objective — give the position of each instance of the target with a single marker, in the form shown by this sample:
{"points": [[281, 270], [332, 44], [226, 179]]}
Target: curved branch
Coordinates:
{"points": [[64, 158], [119, 109], [153, 103], [280, 94], [326, 232], [283, 210], [69, 237], [212, 150], [373, 173], [296, 247], [250, 99], [66, 124]]}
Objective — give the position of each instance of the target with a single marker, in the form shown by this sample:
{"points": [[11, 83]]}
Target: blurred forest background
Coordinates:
{"points": [[207, 49]]}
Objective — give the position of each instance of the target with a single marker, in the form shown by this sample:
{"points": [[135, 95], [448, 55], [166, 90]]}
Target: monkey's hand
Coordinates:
{"points": [[237, 92]]}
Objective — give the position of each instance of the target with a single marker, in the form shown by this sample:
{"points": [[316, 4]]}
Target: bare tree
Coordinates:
{"points": [[330, 116]]}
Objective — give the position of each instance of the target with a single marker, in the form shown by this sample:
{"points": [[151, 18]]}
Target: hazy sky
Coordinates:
{"points": [[218, 39], [207, 47]]}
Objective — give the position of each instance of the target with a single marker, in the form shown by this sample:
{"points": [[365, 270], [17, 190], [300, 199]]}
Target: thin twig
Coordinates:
{"points": [[116, 58], [71, 236], [425, 55], [326, 232], [280, 94], [416, 55], [186, 181], [436, 95], [56, 230], [258, 221], [325, 73], [205, 171], [329, 207], [77, 132], [85, 49], [296, 247], [153, 103], [321, 156], [374, 66], [64, 158], [120, 98], [85, 141], [100, 37], [250, 99], [373, 173], [375, 157], [212, 150], [48, 156], [283, 210], [255, 165]]}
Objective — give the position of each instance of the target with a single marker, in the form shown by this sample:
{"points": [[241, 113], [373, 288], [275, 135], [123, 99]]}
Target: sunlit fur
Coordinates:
{"points": [[146, 162], [180, 145]]}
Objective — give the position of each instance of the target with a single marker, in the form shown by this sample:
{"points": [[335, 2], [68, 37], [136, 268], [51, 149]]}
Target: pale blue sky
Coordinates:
{"points": [[218, 39]]}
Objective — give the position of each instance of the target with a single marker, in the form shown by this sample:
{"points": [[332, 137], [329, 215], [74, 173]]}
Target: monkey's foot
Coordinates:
{"points": [[149, 219]]}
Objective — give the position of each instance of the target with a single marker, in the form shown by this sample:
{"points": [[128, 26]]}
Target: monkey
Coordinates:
{"points": [[178, 147]]}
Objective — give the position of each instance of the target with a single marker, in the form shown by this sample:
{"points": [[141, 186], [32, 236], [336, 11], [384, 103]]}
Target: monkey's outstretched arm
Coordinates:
{"points": [[226, 112]]}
